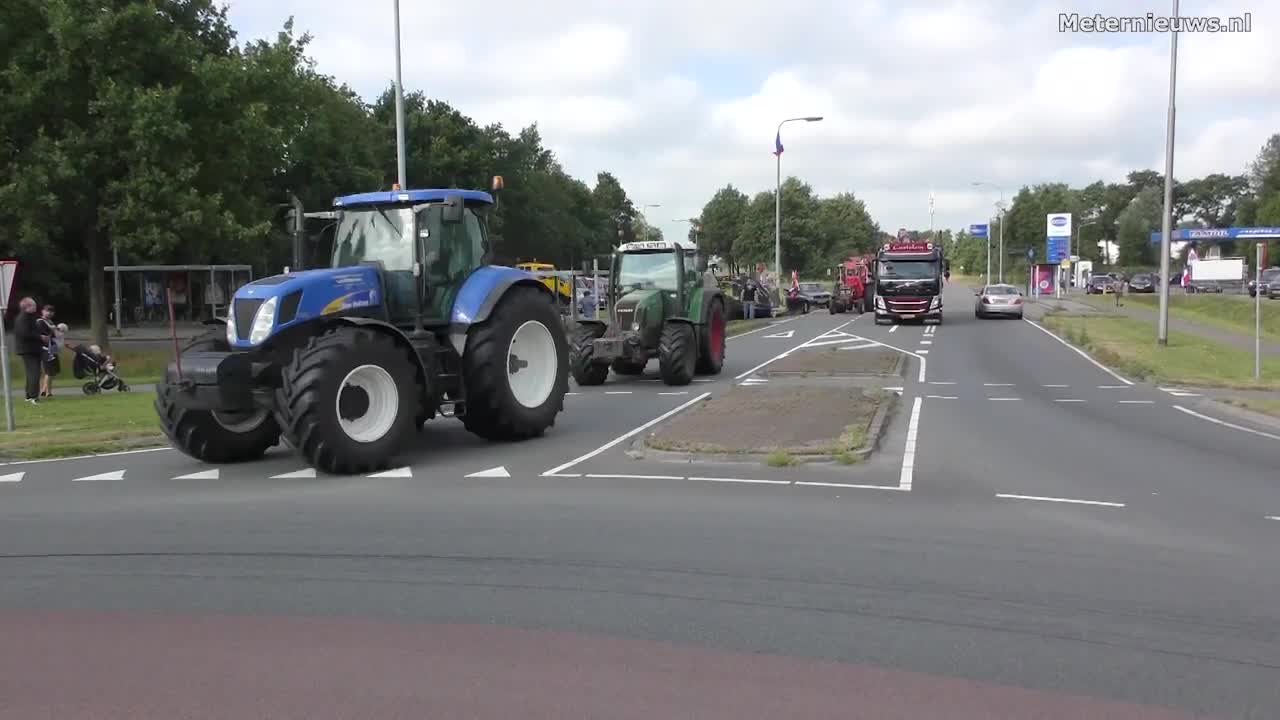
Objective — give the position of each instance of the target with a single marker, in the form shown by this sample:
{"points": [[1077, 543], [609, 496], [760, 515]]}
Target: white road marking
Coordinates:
{"points": [[997, 384], [495, 472], [1056, 386], [89, 457], [679, 392], [1078, 351], [1224, 423], [941, 382], [1067, 400], [617, 392], [296, 474], [848, 485], [1273, 517], [1184, 394], [909, 452], [703, 380], [739, 480], [12, 477], [765, 327], [1113, 387], [1135, 402], [893, 328], [113, 475], [894, 389], [614, 476], [572, 393], [862, 346], [628, 434], [926, 342], [1072, 501], [784, 353], [942, 397], [923, 352], [782, 335], [202, 475], [1003, 398], [393, 473]]}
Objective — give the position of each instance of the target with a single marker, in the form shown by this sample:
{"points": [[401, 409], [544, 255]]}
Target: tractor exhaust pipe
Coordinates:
{"points": [[298, 222]]}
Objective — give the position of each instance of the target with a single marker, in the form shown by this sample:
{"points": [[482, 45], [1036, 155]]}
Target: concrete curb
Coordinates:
{"points": [[1253, 416]]}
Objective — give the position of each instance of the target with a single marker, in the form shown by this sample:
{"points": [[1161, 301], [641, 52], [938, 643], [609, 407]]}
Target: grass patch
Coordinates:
{"points": [[137, 367], [779, 458], [1129, 345], [1233, 313], [1259, 405], [734, 327], [81, 425]]}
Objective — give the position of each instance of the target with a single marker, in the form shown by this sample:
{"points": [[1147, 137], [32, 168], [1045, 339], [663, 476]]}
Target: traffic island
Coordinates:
{"points": [[832, 361], [779, 426]]}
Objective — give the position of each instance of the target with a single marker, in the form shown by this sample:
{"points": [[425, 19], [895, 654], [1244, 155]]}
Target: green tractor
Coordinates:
{"points": [[662, 303]]}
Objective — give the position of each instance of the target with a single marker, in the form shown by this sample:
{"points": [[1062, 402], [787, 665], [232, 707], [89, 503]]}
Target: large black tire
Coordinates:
{"points": [[626, 367], [316, 393], [495, 410], [221, 438], [581, 351], [677, 353], [831, 307], [711, 342]]}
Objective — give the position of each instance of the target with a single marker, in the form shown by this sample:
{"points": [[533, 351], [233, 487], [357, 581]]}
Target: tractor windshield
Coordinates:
{"points": [[375, 233], [648, 271]]}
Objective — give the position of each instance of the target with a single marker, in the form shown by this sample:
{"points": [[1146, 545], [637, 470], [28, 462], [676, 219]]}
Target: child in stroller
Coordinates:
{"points": [[89, 362]]}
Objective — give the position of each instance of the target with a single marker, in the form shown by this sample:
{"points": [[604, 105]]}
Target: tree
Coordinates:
{"points": [[1135, 226], [845, 228], [722, 220]]}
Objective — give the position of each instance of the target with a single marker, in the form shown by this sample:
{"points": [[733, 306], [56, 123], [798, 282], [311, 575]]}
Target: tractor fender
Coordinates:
{"points": [[683, 320], [480, 293], [396, 334]]}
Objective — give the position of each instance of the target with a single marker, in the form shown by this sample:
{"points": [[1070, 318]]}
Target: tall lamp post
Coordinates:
{"points": [[1000, 218], [1166, 220], [400, 154], [777, 200], [648, 231], [694, 224]]}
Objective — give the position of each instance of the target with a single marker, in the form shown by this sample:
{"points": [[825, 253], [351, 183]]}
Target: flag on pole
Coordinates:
{"points": [[777, 144]]}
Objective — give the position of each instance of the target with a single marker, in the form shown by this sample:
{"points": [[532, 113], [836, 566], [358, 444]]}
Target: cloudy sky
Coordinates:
{"points": [[679, 98]]}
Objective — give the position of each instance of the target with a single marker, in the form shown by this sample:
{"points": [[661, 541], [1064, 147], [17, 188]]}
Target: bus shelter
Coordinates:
{"points": [[199, 292]]}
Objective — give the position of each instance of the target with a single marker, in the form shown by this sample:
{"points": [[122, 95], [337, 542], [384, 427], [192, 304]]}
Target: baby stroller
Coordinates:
{"points": [[89, 362]]}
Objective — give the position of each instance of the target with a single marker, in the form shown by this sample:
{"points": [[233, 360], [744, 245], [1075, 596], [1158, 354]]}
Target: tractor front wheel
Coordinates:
{"points": [[514, 369], [711, 352], [348, 400], [213, 437], [582, 353], [677, 353]]}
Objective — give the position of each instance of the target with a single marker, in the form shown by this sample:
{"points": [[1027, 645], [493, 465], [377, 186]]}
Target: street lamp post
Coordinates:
{"points": [[695, 225], [1000, 219], [1166, 220], [777, 201], [400, 153], [647, 232]]}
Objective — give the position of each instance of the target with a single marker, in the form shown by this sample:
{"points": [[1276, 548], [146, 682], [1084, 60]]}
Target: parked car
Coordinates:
{"points": [[1270, 287], [1099, 284], [998, 300], [807, 295], [1143, 283]]}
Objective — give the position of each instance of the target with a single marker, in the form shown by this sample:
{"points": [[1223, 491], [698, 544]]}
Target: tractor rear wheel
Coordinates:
{"points": [[677, 353], [348, 400], [581, 354], [214, 437], [711, 352], [514, 369], [626, 367]]}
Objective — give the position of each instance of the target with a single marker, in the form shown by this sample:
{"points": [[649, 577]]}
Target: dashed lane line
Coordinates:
{"points": [[1071, 501], [1056, 386], [1068, 400], [906, 475], [997, 384], [1135, 402], [942, 397], [1003, 399]]}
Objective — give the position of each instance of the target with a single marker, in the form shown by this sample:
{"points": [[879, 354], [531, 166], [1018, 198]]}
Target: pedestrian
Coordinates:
{"points": [[30, 346], [50, 364], [1120, 283], [748, 295]]}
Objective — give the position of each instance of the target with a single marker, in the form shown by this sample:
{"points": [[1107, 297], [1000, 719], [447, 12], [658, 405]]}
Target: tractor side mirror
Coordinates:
{"points": [[453, 206]]}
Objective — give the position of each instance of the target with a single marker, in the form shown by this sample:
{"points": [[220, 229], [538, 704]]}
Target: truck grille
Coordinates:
{"points": [[245, 310], [907, 305]]}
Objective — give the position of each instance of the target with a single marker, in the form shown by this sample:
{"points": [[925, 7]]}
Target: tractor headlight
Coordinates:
{"points": [[263, 320], [231, 328]]}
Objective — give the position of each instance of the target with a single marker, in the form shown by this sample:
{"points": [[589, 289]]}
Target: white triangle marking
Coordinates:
{"points": [[397, 472], [113, 475], [12, 477], [863, 346], [784, 334], [500, 471], [202, 475], [308, 473]]}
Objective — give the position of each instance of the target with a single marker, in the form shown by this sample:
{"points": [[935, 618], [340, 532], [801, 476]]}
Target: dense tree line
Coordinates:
{"points": [[145, 126], [1125, 214], [816, 231]]}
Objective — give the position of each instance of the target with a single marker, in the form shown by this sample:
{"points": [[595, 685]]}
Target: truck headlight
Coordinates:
{"points": [[879, 303], [935, 303], [231, 327], [263, 320]]}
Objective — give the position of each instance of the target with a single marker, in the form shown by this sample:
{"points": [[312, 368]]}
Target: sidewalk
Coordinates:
{"points": [[63, 389]]}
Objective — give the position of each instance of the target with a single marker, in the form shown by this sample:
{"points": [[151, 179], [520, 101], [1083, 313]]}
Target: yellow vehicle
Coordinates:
{"points": [[558, 285]]}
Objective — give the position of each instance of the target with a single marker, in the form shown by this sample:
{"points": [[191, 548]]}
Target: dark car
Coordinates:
{"points": [[1100, 284], [1270, 287], [1143, 283], [807, 295]]}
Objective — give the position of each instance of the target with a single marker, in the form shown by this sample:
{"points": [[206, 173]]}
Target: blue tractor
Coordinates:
{"points": [[346, 364]]}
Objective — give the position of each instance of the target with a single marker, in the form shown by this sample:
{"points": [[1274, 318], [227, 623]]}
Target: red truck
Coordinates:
{"points": [[850, 291]]}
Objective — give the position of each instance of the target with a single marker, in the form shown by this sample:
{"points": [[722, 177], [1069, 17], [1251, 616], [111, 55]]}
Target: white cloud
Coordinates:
{"points": [[679, 98]]}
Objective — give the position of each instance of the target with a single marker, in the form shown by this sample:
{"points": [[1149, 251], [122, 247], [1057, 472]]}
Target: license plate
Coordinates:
{"points": [[908, 317]]}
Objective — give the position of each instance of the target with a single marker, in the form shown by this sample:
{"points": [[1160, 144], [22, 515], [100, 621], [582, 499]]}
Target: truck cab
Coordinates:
{"points": [[908, 281]]}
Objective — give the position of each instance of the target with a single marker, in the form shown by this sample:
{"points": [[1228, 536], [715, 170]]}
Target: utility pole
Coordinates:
{"points": [[402, 181], [1166, 222]]}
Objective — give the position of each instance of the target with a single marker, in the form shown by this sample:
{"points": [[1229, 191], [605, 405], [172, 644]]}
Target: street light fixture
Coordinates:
{"points": [[777, 200], [1000, 218]]}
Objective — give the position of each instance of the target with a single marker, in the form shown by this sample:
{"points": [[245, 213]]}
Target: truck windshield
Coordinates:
{"points": [[648, 271], [376, 233], [907, 269]]}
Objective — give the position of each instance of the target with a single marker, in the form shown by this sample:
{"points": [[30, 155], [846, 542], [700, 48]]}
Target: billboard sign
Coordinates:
{"points": [[978, 230]]}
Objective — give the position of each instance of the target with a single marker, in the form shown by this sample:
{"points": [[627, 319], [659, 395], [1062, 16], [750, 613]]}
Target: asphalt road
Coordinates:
{"points": [[1035, 538]]}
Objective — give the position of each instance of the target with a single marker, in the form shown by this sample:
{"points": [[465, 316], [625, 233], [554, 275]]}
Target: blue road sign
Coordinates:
{"points": [[978, 230], [1229, 233], [1056, 248]]}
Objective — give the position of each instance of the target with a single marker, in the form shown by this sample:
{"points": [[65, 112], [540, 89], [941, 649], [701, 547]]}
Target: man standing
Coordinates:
{"points": [[30, 346], [748, 295], [1119, 284]]}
